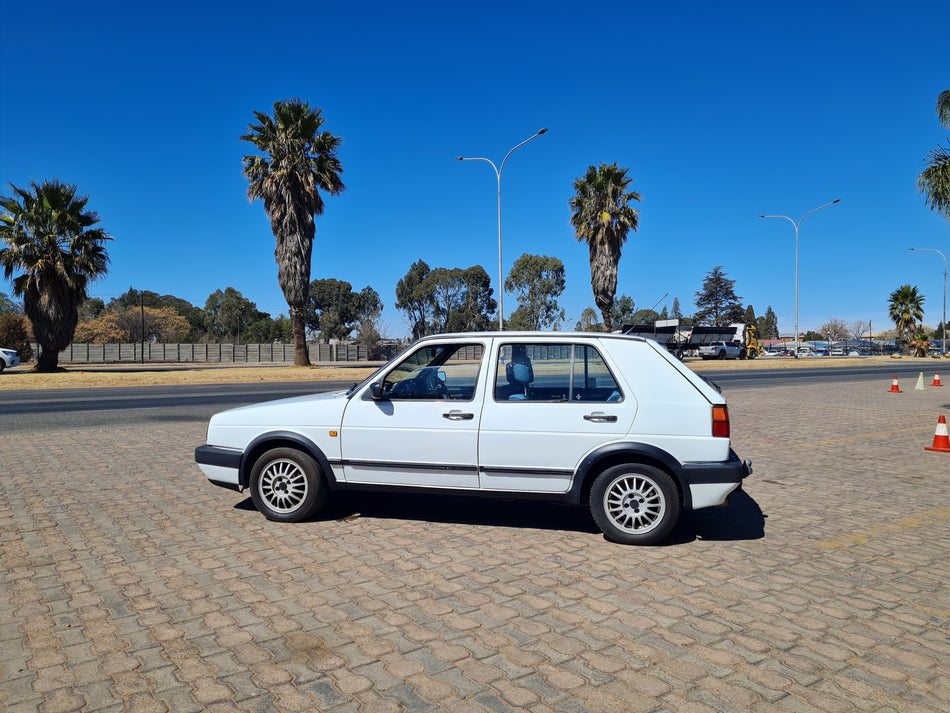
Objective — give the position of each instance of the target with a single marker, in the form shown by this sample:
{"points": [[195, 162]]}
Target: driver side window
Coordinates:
{"points": [[448, 371]]}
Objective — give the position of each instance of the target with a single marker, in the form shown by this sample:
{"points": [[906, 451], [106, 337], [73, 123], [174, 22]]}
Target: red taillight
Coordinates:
{"points": [[720, 422]]}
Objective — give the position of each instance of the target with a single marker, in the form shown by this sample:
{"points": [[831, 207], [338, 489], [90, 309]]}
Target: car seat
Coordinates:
{"points": [[519, 374]]}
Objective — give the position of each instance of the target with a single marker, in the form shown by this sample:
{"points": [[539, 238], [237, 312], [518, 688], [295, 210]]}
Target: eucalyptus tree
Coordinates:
{"points": [[905, 307], [602, 216], [934, 181], [415, 298], [538, 281], [50, 241], [300, 162], [334, 309]]}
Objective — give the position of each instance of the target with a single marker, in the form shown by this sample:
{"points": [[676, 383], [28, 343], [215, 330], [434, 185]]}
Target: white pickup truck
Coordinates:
{"points": [[721, 350]]}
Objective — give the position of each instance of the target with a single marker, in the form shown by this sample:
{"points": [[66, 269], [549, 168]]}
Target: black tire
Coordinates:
{"points": [[753, 353], [743, 353], [722, 354], [3, 365], [634, 504], [286, 485]]}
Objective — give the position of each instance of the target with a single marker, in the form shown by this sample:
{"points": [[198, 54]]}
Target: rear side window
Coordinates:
{"points": [[553, 372], [592, 379]]}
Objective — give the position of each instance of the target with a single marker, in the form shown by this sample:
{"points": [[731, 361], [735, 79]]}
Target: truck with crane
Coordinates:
{"points": [[734, 340]]}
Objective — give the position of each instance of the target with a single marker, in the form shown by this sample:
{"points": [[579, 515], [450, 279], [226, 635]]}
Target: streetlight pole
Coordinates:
{"points": [[797, 225], [501, 284], [943, 349]]}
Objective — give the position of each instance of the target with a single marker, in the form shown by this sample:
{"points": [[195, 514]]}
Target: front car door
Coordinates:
{"points": [[422, 427], [549, 404]]}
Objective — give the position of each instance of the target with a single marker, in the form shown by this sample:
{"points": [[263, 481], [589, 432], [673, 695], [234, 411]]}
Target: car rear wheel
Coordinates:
{"points": [[722, 354], [286, 485], [634, 504]]}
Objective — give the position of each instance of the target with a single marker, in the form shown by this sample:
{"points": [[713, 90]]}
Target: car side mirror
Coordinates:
{"points": [[376, 391]]}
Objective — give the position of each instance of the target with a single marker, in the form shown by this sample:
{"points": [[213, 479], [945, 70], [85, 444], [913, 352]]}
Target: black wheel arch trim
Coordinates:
{"points": [[636, 452], [273, 439], [732, 470]]}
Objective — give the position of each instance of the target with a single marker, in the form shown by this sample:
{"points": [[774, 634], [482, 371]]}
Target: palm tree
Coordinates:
{"points": [[601, 216], [301, 160], [934, 181], [906, 307], [48, 236]]}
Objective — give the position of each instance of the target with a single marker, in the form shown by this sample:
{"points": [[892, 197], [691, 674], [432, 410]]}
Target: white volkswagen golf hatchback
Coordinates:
{"points": [[606, 421]]}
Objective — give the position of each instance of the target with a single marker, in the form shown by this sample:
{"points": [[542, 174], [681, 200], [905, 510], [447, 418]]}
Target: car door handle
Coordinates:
{"points": [[458, 416], [600, 417]]}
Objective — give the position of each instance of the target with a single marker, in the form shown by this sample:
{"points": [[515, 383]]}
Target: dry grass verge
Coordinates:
{"points": [[86, 375]]}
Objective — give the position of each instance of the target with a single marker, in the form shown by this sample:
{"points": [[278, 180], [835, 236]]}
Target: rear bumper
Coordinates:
{"points": [[732, 470], [711, 483]]}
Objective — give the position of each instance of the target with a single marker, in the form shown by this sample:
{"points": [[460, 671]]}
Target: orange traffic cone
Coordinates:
{"points": [[895, 389], [936, 379], [941, 439]]}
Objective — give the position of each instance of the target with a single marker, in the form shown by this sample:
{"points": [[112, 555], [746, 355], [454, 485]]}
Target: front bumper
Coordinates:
{"points": [[222, 466]]}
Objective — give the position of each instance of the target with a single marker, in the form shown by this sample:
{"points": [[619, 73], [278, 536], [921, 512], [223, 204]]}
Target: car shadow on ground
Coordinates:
{"points": [[741, 520]]}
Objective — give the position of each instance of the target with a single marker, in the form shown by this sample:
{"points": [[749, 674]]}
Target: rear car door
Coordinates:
{"points": [[538, 423]]}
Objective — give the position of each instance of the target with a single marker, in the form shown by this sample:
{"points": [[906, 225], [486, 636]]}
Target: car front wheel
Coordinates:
{"points": [[286, 485], [634, 504]]}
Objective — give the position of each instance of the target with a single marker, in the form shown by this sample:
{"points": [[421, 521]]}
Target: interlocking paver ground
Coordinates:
{"points": [[130, 583]]}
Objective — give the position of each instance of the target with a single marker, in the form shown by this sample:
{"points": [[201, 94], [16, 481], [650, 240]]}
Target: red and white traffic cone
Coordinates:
{"points": [[895, 389], [941, 439], [936, 379]]}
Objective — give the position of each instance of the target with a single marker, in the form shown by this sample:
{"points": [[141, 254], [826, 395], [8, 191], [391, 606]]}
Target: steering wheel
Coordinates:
{"points": [[404, 389]]}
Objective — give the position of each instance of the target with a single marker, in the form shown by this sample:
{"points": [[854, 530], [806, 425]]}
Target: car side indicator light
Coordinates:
{"points": [[333, 434], [720, 426]]}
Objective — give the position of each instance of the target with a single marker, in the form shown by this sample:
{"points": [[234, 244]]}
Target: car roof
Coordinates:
{"points": [[534, 335]]}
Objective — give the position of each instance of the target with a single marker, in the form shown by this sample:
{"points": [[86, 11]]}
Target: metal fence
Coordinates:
{"points": [[212, 353]]}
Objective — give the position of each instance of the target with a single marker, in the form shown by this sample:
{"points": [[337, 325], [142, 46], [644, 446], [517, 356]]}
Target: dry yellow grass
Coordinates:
{"points": [[87, 375]]}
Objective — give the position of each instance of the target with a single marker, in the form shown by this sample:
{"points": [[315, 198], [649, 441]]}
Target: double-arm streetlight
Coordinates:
{"points": [[836, 200], [498, 170], [943, 349]]}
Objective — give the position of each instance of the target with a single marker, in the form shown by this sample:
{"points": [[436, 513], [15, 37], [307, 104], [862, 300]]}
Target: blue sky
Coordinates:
{"points": [[721, 112]]}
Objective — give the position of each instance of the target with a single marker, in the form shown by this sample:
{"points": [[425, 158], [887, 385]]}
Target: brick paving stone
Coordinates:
{"points": [[152, 591]]}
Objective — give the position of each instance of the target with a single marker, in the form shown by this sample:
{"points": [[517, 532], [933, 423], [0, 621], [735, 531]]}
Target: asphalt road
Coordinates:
{"points": [[41, 410], [50, 409]]}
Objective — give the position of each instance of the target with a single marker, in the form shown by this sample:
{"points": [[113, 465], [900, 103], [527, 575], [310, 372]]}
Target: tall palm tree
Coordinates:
{"points": [[301, 161], [601, 216], [49, 237], [906, 308], [934, 180]]}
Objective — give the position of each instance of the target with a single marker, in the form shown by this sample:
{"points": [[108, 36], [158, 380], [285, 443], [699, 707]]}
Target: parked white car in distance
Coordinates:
{"points": [[9, 358], [609, 421], [721, 350]]}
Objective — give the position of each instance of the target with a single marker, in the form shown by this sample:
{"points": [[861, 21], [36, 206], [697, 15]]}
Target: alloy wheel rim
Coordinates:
{"points": [[634, 504], [283, 485]]}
